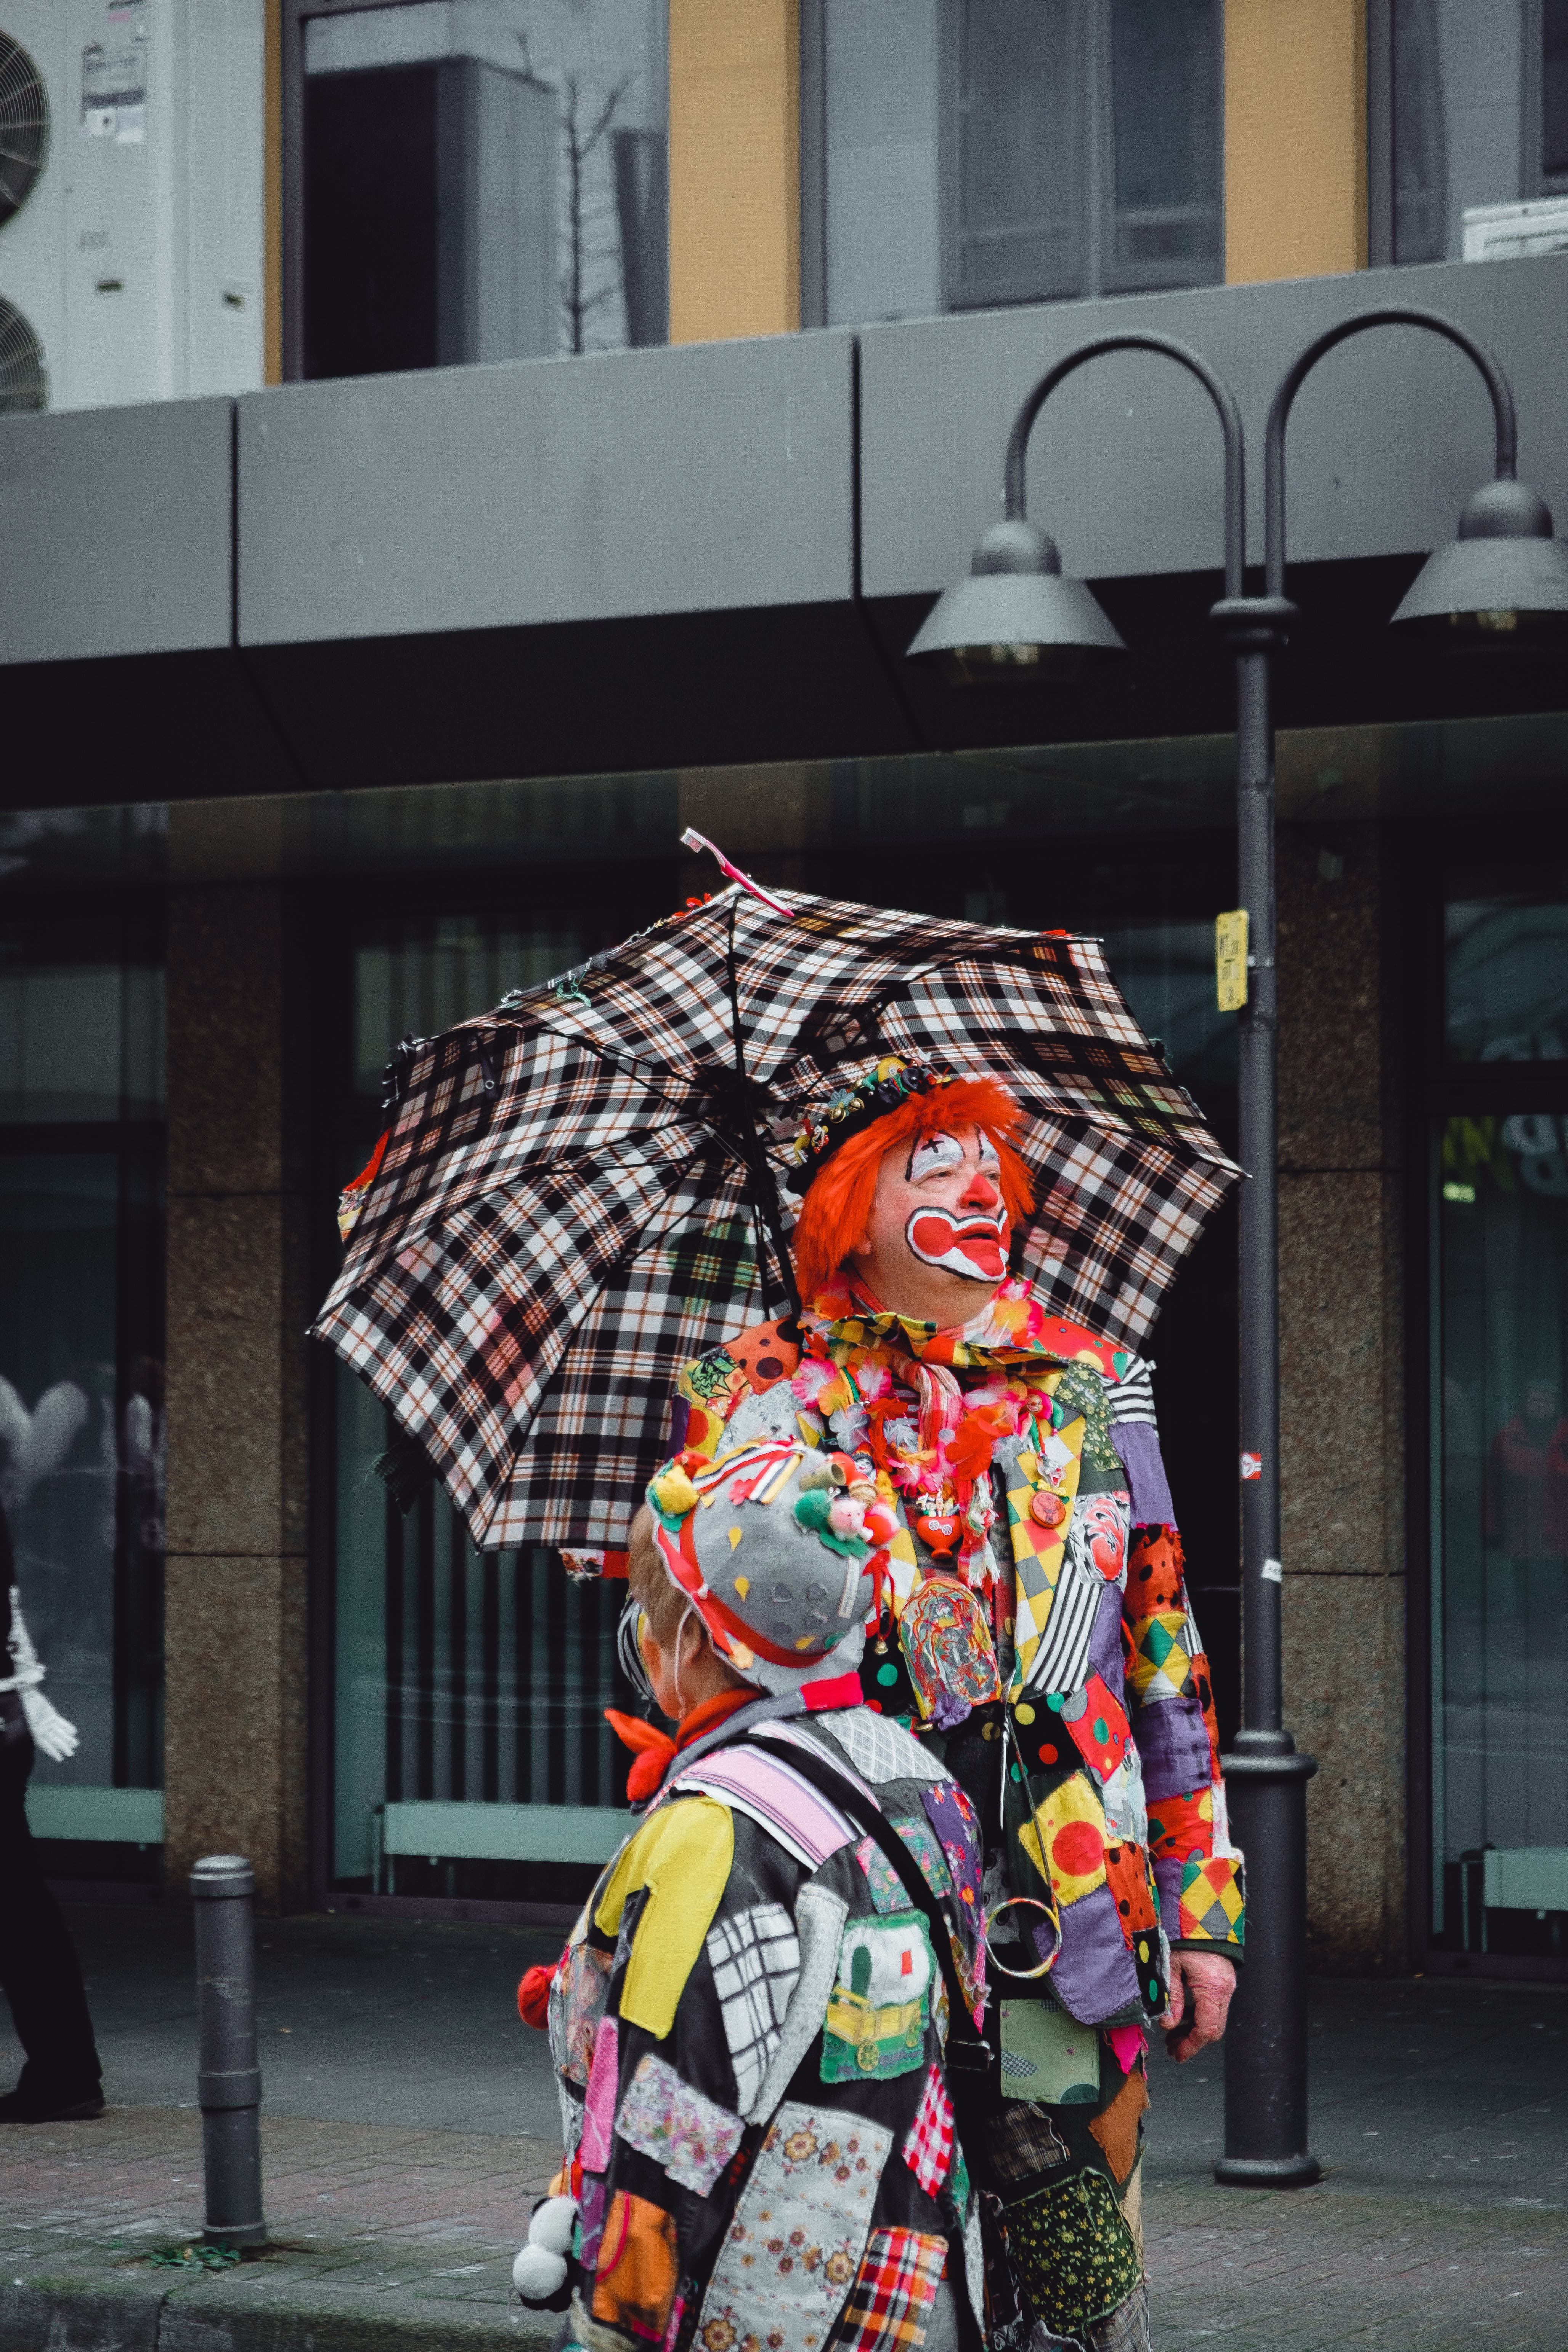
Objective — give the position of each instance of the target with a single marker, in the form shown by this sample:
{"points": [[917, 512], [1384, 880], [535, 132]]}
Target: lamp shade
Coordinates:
{"points": [[1015, 621], [1502, 581]]}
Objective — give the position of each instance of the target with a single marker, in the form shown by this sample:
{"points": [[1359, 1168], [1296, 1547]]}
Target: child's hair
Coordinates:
{"points": [[838, 1204], [658, 1596]]}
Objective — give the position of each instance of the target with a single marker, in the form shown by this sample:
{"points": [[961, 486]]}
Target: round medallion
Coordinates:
{"points": [[1047, 1510]]}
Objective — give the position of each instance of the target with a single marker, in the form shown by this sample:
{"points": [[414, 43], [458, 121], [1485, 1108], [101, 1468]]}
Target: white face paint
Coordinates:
{"points": [[933, 1155], [969, 1241]]}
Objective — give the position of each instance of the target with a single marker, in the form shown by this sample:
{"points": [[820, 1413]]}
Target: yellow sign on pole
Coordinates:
{"points": [[1230, 960]]}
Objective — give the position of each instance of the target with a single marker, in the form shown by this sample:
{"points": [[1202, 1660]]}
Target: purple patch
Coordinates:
{"points": [[1168, 1879], [591, 2209], [1105, 1642], [952, 1816], [1173, 1746], [1137, 1444], [679, 1423], [1094, 1975]]}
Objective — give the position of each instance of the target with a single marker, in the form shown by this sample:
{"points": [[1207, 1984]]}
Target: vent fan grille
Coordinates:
{"points": [[24, 380], [24, 125]]}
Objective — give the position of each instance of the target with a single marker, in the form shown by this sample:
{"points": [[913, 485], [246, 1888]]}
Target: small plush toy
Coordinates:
{"points": [[540, 2272]]}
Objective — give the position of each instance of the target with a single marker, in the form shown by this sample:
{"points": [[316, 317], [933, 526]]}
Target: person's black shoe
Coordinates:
{"points": [[21, 2108]]}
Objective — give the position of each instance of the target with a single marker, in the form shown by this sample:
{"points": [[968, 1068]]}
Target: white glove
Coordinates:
{"points": [[52, 1736]]}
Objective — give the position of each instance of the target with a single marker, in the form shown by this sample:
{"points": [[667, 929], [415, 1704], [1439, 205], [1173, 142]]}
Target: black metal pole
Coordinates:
{"points": [[1265, 1779], [1266, 2041], [228, 2085]]}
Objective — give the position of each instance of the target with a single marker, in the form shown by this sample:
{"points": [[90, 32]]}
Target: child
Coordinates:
{"points": [[754, 2020]]}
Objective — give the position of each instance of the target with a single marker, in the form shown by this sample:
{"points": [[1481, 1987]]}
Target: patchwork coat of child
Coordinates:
{"points": [[747, 2027], [1040, 1639]]}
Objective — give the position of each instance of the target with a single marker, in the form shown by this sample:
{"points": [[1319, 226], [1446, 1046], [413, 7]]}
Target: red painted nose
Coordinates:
{"points": [[980, 1192]]}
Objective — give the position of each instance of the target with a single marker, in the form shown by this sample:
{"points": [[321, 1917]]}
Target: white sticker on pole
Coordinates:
{"points": [[1252, 1466], [1272, 1572]]}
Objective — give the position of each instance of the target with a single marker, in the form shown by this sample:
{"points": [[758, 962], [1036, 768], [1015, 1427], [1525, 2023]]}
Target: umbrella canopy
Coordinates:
{"points": [[577, 1194]]}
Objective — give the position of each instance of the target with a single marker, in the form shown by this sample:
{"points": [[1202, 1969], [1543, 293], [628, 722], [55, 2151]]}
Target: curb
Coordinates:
{"points": [[229, 2315]]}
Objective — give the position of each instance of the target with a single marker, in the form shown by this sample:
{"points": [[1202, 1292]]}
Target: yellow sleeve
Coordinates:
{"points": [[683, 1854]]}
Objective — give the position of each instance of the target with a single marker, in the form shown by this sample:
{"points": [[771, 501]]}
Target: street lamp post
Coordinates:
{"points": [[1017, 620], [1504, 566]]}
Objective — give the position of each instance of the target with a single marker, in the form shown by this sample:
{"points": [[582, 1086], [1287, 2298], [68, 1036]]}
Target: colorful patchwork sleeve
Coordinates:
{"points": [[707, 1391], [1170, 1703]]}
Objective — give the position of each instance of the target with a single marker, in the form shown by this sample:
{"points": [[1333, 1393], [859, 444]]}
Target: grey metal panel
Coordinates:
{"points": [[1387, 440], [710, 478], [115, 532]]}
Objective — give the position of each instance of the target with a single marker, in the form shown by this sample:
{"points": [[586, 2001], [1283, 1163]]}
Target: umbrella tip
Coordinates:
{"points": [[698, 842]]}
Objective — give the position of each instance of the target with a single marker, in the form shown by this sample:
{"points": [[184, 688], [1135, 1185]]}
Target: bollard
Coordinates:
{"points": [[228, 2085]]}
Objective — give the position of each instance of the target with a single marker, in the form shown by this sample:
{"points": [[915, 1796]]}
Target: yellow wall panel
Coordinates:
{"points": [[735, 169], [1294, 138]]}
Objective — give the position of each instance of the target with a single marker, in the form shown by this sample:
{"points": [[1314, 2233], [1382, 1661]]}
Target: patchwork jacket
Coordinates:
{"points": [[748, 2028], [1104, 1762]]}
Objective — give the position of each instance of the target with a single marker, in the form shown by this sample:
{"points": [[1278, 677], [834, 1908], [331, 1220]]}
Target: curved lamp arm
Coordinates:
{"points": [[1392, 314], [1218, 390]]}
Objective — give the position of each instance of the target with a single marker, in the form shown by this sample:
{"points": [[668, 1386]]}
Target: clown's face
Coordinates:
{"points": [[936, 1241]]}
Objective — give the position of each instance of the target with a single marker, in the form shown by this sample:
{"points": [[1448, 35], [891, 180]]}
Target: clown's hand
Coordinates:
{"points": [[52, 1736]]}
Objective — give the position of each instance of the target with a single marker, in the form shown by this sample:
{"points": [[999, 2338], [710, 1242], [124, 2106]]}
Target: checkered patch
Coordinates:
{"points": [[1213, 1902], [1162, 1661], [890, 2300], [561, 1216], [755, 1960], [928, 2149]]}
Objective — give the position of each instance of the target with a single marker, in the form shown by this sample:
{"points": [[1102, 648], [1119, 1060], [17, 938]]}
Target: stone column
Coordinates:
{"points": [[234, 1581], [1343, 1404]]}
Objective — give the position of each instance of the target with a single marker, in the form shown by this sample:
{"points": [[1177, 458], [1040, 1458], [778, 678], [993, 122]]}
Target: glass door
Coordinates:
{"points": [[1501, 1601]]}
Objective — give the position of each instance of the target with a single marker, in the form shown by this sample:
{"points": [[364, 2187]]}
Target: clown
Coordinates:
{"points": [[1030, 1624]]}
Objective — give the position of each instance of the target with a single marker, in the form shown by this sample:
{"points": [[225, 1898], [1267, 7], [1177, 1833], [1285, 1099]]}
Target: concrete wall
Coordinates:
{"points": [[1343, 1402], [237, 1305]]}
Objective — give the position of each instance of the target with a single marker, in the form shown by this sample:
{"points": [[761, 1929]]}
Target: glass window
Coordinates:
{"points": [[81, 1288], [1017, 114], [979, 151], [1164, 84], [1478, 115], [882, 108], [1553, 96], [461, 1677], [1507, 971], [1500, 1604], [482, 182]]}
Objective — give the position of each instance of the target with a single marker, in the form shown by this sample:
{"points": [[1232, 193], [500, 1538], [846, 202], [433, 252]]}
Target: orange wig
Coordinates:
{"points": [[838, 1204]]}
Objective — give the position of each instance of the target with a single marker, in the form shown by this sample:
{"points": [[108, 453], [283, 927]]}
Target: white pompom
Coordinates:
{"points": [[537, 2275], [553, 2224]]}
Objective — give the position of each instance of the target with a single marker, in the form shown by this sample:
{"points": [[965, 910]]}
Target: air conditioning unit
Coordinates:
{"points": [[1504, 232], [131, 167]]}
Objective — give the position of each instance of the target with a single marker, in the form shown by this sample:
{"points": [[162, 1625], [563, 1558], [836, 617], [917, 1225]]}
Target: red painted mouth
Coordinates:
{"points": [[974, 1246]]}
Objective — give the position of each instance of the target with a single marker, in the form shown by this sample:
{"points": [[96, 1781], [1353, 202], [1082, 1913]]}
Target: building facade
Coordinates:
{"points": [[347, 699]]}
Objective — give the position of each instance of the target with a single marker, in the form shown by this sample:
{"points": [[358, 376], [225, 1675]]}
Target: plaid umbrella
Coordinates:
{"points": [[577, 1194]]}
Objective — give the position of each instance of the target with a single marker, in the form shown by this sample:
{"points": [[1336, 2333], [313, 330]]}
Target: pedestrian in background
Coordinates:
{"points": [[39, 1967]]}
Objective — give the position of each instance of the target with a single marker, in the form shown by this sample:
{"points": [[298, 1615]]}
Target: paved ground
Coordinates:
{"points": [[409, 2122]]}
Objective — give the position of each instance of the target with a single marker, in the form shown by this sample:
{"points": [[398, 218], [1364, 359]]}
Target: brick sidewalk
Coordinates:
{"points": [[385, 2235], [412, 2231]]}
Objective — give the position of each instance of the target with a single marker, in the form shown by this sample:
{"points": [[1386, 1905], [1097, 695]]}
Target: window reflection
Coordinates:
{"points": [[483, 179], [81, 1446], [1502, 1622], [1507, 980], [81, 1281]]}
